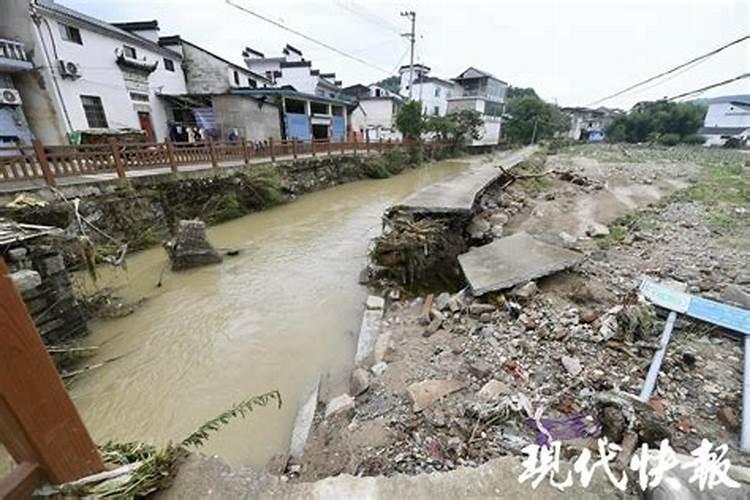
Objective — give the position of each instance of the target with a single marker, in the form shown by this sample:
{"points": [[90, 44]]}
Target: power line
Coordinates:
{"points": [[672, 70], [306, 37], [708, 87], [369, 17]]}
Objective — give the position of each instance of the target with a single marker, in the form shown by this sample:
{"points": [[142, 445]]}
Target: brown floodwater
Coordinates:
{"points": [[282, 313]]}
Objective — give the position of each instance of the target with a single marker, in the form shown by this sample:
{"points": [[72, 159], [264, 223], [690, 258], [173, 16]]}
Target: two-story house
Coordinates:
{"points": [[431, 91], [375, 116], [90, 75], [588, 124], [482, 92]]}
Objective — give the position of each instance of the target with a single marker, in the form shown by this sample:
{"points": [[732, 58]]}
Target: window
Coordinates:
{"points": [[128, 51], [71, 34], [138, 96], [436, 110], [236, 77], [92, 106], [377, 92], [437, 91], [251, 83], [168, 64]]}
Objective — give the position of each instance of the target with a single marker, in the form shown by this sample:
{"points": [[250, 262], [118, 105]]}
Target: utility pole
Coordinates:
{"points": [[412, 38]]}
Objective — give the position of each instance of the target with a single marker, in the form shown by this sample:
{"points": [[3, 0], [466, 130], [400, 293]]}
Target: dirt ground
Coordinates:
{"points": [[560, 346]]}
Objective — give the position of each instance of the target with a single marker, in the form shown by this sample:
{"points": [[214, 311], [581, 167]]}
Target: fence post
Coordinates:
{"points": [[39, 424], [367, 143], [245, 152], [354, 147], [114, 148], [41, 157], [380, 144], [294, 148], [328, 143], [212, 153], [312, 146], [170, 155], [273, 153]]}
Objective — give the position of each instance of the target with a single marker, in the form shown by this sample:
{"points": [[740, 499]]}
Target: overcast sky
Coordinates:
{"points": [[572, 51]]}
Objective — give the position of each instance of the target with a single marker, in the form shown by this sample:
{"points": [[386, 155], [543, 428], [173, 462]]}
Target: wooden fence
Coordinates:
{"points": [[49, 163]]}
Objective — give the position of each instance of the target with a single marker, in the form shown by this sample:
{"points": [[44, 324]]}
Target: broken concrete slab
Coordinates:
{"points": [[427, 392], [360, 382], [368, 334], [303, 423], [509, 261], [458, 194], [493, 390]]}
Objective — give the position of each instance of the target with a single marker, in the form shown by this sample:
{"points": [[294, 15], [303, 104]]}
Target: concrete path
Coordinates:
{"points": [[512, 260], [203, 477], [457, 194]]}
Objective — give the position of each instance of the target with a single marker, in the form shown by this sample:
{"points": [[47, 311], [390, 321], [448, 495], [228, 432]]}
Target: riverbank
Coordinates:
{"points": [[560, 343]]}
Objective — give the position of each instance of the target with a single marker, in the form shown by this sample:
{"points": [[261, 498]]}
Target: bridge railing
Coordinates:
{"points": [[49, 163]]}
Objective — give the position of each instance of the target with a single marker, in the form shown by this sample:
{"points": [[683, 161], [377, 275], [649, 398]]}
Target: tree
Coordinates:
{"points": [[530, 118], [520, 92], [392, 83], [456, 127], [409, 120], [659, 121]]}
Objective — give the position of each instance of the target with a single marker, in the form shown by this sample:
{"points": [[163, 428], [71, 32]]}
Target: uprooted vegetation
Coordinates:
{"points": [[415, 251]]}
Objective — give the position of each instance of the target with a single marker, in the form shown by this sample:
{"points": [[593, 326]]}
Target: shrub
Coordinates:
{"points": [[669, 139], [416, 153], [375, 168], [395, 160], [695, 139]]}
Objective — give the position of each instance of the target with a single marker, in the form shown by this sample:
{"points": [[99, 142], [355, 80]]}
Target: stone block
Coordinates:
{"points": [[26, 280]]}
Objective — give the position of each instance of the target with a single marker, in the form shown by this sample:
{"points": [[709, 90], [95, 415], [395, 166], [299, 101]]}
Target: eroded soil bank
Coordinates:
{"points": [[563, 343]]}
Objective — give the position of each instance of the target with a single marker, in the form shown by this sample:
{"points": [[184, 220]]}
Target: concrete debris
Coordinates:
{"points": [[478, 228], [596, 230], [375, 302], [525, 292], [478, 309], [360, 382], [379, 368], [572, 365], [492, 390], [190, 248], [384, 349], [368, 333], [303, 423], [26, 280], [512, 260], [342, 405], [424, 394], [442, 301]]}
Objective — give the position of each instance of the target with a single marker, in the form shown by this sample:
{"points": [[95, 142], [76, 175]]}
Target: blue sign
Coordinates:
{"points": [[720, 314], [730, 317]]}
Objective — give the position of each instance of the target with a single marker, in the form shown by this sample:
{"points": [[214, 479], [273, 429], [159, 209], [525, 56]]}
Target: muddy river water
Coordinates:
{"points": [[283, 312]]}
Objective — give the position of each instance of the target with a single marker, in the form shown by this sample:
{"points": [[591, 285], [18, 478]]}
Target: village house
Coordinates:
{"points": [[90, 76], [14, 129], [484, 93], [587, 124], [431, 91], [374, 118], [728, 117], [208, 103]]}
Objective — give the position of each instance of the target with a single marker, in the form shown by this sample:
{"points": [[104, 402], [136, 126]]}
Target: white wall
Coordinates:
{"points": [[379, 112], [425, 93], [299, 78], [725, 114], [102, 77]]}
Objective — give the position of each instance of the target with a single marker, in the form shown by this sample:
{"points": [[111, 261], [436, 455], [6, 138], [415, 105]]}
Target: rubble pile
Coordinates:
{"points": [[467, 379]]}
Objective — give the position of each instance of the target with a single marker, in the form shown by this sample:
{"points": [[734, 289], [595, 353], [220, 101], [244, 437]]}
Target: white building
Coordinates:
{"points": [[14, 129], [482, 92], [375, 116], [90, 74], [291, 69], [727, 117], [431, 91]]}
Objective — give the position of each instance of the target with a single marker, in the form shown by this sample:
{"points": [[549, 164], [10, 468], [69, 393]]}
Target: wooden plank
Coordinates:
{"points": [[39, 422], [21, 482], [41, 157]]}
